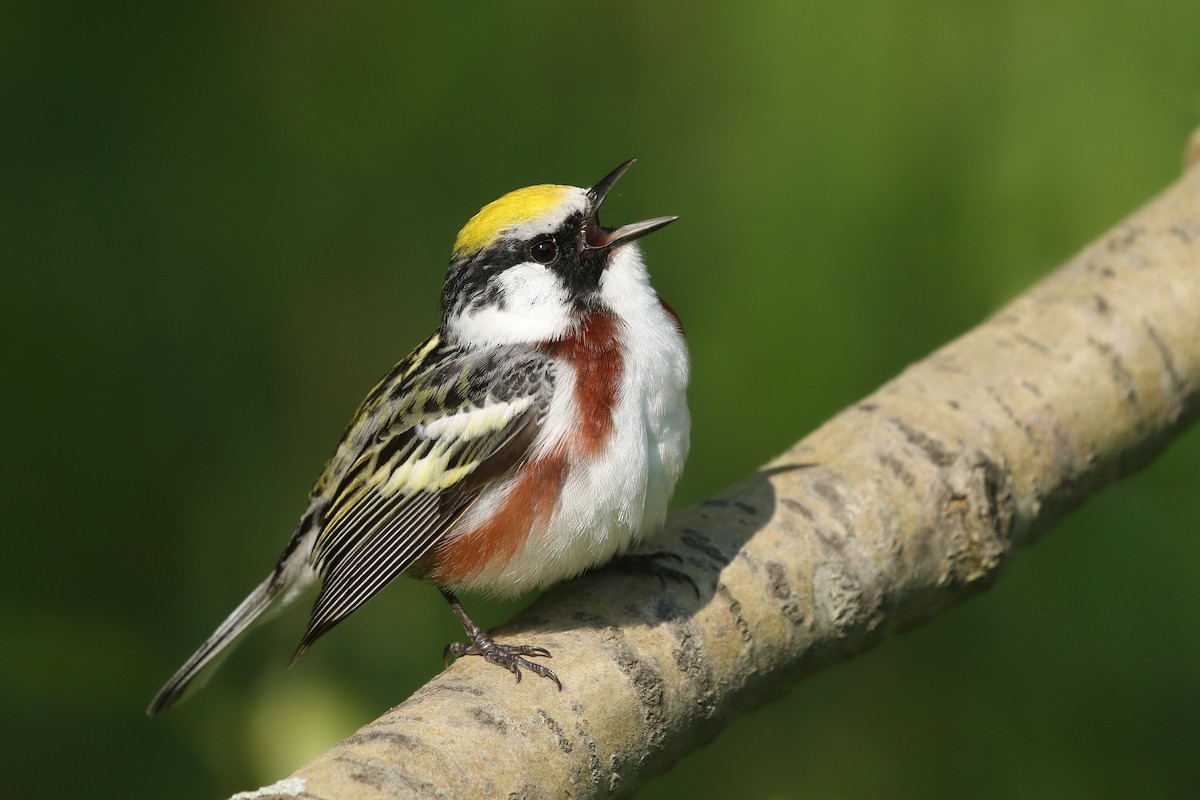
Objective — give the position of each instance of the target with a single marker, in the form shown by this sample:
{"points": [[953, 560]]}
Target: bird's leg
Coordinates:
{"points": [[651, 564], [509, 656]]}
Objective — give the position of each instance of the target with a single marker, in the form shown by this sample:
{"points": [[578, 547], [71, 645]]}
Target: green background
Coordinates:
{"points": [[219, 228]]}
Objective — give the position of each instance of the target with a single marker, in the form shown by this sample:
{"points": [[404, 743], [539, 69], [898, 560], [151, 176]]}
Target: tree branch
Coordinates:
{"points": [[899, 506]]}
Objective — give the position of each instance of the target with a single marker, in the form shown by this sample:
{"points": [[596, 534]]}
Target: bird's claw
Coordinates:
{"points": [[509, 656]]}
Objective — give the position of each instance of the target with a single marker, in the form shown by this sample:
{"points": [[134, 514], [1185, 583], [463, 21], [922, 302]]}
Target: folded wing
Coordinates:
{"points": [[439, 432]]}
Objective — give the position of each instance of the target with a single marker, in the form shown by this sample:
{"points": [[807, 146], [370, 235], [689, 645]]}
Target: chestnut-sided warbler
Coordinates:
{"points": [[539, 432]]}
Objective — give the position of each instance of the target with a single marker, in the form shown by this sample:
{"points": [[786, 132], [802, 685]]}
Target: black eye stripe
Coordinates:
{"points": [[468, 281]]}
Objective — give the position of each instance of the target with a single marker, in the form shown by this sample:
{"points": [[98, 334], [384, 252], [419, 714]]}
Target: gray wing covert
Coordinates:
{"points": [[451, 427]]}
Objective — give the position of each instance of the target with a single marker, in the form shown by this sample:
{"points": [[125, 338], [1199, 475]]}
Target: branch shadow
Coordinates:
{"points": [[706, 538]]}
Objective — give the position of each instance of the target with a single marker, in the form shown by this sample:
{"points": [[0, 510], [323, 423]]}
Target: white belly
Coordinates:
{"points": [[611, 500]]}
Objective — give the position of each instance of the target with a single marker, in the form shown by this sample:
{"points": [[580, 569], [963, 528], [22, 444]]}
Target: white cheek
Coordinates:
{"points": [[535, 308]]}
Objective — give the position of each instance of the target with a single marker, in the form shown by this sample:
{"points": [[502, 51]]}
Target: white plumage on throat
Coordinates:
{"points": [[611, 501]]}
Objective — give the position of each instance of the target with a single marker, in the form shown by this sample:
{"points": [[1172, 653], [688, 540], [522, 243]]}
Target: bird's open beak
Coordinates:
{"points": [[598, 236]]}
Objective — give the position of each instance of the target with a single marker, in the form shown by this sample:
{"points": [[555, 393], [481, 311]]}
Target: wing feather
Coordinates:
{"points": [[443, 425]]}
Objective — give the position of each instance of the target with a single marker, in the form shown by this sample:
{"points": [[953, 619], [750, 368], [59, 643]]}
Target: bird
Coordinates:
{"points": [[538, 432]]}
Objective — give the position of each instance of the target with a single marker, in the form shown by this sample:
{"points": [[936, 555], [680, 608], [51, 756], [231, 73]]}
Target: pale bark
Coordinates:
{"points": [[899, 506]]}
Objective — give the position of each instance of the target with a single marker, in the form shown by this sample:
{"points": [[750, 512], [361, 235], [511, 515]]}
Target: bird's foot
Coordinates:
{"points": [[652, 564], [509, 656]]}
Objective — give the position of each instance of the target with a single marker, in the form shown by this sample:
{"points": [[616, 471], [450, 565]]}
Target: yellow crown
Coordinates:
{"points": [[513, 209]]}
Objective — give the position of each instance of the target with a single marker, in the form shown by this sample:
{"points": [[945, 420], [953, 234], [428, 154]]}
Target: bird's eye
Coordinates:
{"points": [[543, 251]]}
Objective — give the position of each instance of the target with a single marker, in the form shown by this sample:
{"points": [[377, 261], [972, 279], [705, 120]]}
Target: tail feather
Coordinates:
{"points": [[234, 625]]}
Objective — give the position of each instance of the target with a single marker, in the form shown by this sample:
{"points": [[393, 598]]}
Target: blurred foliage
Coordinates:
{"points": [[220, 224]]}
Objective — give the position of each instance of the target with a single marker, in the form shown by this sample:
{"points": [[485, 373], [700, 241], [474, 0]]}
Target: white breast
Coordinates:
{"points": [[619, 496]]}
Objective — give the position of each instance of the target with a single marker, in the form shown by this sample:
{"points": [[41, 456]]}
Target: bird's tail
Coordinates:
{"points": [[262, 598]]}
